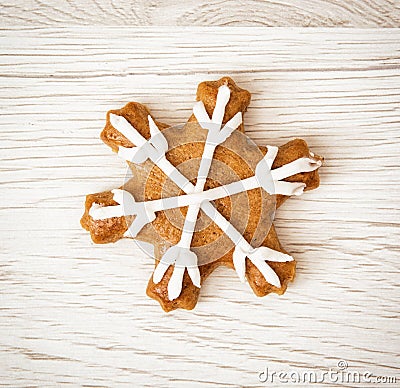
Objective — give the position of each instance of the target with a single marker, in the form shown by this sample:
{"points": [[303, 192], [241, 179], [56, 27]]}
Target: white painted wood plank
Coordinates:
{"points": [[76, 313], [278, 13]]}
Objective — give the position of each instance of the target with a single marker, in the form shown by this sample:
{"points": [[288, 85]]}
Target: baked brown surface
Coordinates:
{"points": [[164, 231]]}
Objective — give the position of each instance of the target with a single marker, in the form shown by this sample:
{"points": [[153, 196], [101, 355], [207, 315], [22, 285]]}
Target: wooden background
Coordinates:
{"points": [[75, 313], [277, 13]]}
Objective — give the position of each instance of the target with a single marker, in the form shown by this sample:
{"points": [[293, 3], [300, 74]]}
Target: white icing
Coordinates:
{"points": [[223, 96], [196, 197], [183, 256], [180, 255], [293, 168]]}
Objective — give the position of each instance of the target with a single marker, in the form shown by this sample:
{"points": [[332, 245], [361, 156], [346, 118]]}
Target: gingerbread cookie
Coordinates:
{"points": [[203, 195]]}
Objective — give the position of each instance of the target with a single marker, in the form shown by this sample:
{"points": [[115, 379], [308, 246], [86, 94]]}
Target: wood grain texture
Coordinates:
{"points": [[277, 13], [75, 313]]}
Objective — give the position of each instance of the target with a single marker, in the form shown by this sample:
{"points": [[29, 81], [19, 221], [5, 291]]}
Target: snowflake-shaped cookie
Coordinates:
{"points": [[204, 195]]}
